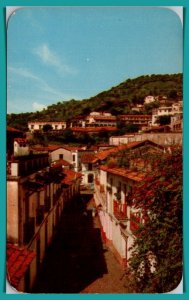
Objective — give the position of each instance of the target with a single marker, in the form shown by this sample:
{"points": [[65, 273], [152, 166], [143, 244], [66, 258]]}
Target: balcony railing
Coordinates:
{"points": [[120, 210]]}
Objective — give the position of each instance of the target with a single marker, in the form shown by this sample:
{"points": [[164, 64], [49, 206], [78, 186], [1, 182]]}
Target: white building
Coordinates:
{"points": [[176, 108], [149, 99], [36, 126], [88, 168], [21, 147], [36, 196], [96, 119], [113, 187]]}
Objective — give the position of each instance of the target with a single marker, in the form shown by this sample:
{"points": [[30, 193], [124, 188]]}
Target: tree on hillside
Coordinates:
{"points": [[117, 100], [47, 127], [159, 198], [67, 136], [173, 94], [150, 106], [163, 120]]}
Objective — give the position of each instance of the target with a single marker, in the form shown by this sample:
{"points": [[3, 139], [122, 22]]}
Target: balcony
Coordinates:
{"points": [[120, 210], [135, 221]]}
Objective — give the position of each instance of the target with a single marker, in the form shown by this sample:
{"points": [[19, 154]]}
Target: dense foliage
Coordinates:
{"points": [[117, 100], [159, 198]]}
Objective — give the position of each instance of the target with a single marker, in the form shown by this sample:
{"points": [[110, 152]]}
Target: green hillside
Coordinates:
{"points": [[118, 100]]}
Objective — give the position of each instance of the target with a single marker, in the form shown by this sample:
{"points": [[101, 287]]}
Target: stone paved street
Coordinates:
{"points": [[78, 261]]}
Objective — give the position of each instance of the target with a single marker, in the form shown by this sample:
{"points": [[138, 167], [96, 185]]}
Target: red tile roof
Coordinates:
{"points": [[49, 148], [139, 117], [93, 129], [87, 157], [105, 153], [11, 129], [20, 141], [63, 162], [71, 176], [103, 118], [125, 173], [44, 122], [18, 261], [70, 148]]}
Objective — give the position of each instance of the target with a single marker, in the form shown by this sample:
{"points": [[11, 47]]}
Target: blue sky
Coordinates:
{"points": [[61, 53]]}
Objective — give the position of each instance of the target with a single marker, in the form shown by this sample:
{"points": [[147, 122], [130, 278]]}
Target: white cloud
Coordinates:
{"points": [[38, 106], [49, 57], [42, 84], [23, 72]]}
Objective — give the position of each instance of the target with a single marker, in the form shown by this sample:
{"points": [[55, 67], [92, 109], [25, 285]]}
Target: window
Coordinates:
{"points": [[90, 178], [73, 157], [89, 167], [61, 156], [56, 127], [32, 126]]}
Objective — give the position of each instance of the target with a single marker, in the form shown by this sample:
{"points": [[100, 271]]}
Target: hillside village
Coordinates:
{"points": [[134, 181]]}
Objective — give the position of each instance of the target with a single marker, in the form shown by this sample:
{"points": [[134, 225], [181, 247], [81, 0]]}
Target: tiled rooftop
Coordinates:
{"points": [[135, 116], [87, 157], [49, 148], [63, 162], [18, 261], [93, 129], [103, 118], [44, 122], [71, 176], [125, 173], [11, 129], [20, 141], [105, 153]]}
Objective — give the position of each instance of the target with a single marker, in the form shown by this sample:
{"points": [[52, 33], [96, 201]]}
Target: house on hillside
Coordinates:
{"points": [[175, 109], [38, 126], [149, 99], [95, 119], [140, 120]]}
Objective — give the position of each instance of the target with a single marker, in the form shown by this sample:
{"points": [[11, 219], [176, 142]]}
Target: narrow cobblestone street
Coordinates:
{"points": [[78, 261]]}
